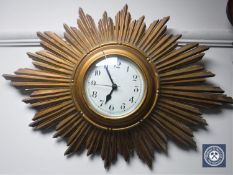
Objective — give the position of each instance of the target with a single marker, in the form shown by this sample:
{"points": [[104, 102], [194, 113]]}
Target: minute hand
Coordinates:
{"points": [[110, 77]]}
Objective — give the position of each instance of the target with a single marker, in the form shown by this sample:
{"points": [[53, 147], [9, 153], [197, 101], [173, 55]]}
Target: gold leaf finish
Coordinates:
{"points": [[177, 88]]}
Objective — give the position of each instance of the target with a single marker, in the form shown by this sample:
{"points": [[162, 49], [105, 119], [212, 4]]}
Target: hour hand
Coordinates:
{"points": [[109, 96]]}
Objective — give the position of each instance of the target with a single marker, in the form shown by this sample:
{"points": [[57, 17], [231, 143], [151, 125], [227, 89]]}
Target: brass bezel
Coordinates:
{"points": [[150, 95]]}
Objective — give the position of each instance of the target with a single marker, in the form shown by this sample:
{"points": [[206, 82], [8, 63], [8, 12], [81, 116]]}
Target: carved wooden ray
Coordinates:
{"points": [[183, 91]]}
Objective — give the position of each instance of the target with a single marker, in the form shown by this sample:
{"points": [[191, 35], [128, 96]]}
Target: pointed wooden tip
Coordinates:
{"points": [[231, 100], [105, 14], [26, 100], [39, 34], [194, 145], [125, 7], [179, 36], [30, 55], [204, 48], [220, 90], [10, 77], [55, 135], [20, 70], [149, 164], [34, 118], [195, 44], [166, 18], [107, 165], [69, 142], [228, 100], [6, 76], [142, 17], [126, 158], [41, 52], [48, 33], [210, 74], [204, 122], [81, 12], [89, 152], [32, 124], [89, 17], [67, 152], [73, 28], [66, 27]]}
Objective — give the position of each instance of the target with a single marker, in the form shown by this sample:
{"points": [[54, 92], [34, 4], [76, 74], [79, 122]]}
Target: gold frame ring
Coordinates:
{"points": [[151, 80]]}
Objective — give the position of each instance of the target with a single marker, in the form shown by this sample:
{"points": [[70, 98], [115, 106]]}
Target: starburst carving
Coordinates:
{"points": [[182, 94]]}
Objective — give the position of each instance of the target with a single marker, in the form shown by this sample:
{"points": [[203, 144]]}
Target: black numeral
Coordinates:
{"points": [[93, 82], [123, 106], [127, 70], [97, 72], [131, 99], [118, 64], [101, 102], [111, 107], [135, 77], [136, 89], [94, 94]]}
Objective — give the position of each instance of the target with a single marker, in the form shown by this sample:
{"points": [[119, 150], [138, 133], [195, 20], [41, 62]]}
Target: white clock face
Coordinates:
{"points": [[114, 86]]}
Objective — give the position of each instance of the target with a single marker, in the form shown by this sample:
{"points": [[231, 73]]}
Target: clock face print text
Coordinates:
{"points": [[114, 86]]}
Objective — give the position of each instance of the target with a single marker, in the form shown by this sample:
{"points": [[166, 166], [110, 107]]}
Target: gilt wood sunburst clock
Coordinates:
{"points": [[118, 87]]}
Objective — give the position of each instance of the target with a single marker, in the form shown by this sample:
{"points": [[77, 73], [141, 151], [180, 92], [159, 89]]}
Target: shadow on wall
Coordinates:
{"points": [[230, 11]]}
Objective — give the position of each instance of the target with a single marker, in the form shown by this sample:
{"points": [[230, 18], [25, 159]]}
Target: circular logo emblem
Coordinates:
{"points": [[214, 155]]}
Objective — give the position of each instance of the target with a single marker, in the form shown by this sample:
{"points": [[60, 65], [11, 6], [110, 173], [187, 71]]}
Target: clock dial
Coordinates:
{"points": [[114, 86]]}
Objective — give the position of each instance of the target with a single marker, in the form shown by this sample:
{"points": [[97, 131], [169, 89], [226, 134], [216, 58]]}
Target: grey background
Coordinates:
{"points": [[24, 151]]}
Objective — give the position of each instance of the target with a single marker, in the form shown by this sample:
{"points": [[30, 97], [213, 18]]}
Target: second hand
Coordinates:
{"points": [[105, 85]]}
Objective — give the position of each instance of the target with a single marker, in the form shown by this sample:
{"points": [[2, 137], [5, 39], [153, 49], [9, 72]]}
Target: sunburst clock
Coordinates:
{"points": [[119, 87]]}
